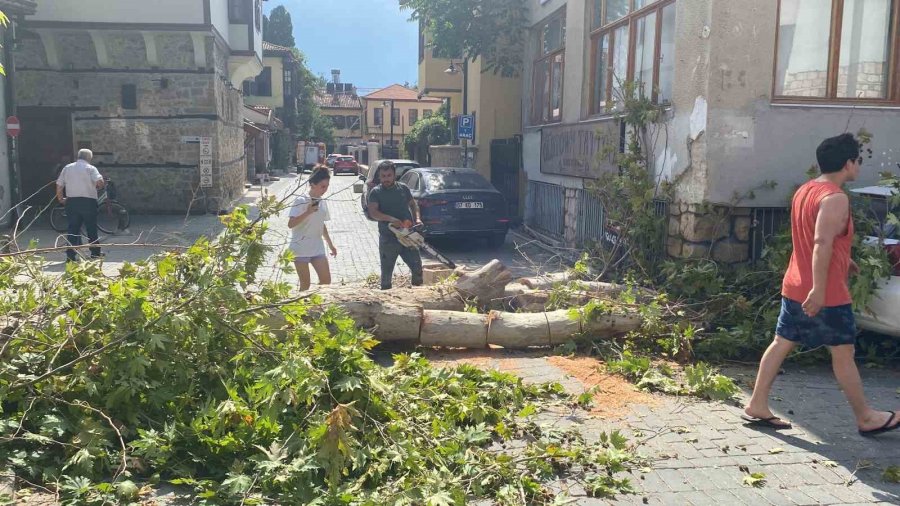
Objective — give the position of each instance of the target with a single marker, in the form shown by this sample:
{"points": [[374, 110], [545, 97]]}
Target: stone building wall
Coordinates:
{"points": [[145, 150], [719, 233]]}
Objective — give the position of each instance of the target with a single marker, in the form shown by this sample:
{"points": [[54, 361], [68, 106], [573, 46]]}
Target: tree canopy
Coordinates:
{"points": [[307, 121], [494, 30], [278, 27]]}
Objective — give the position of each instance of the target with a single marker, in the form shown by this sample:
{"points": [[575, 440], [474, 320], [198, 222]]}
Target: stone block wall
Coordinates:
{"points": [[144, 150], [719, 233], [452, 156]]}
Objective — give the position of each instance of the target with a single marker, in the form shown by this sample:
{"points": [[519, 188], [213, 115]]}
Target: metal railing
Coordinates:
{"points": [[546, 208], [766, 223], [591, 219]]}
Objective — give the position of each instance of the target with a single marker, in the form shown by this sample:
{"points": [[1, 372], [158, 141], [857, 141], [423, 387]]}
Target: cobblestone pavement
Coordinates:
{"points": [[356, 239], [699, 448]]}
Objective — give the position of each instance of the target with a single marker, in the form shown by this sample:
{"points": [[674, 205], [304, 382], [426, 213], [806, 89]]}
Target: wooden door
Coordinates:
{"points": [[45, 146]]}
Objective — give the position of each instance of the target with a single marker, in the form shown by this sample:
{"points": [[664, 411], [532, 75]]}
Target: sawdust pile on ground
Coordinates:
{"points": [[614, 394]]}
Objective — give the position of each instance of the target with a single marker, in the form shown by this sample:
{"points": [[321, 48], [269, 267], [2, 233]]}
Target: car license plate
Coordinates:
{"points": [[470, 205]]}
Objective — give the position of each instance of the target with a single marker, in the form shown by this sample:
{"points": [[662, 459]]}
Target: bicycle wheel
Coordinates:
{"points": [[112, 217], [58, 219]]}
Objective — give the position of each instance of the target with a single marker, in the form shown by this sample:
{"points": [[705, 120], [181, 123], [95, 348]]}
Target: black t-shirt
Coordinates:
{"points": [[393, 201]]}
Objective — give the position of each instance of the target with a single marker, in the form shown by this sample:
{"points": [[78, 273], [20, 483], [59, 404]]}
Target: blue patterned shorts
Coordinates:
{"points": [[833, 326]]}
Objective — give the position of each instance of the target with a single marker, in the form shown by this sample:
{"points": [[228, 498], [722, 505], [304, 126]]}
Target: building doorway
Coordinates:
{"points": [[506, 161], [46, 145]]}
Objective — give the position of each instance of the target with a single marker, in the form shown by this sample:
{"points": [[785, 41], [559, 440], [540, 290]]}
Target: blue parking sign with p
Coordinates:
{"points": [[466, 129]]}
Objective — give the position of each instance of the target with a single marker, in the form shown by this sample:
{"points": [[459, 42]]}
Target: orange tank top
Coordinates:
{"points": [[798, 281]]}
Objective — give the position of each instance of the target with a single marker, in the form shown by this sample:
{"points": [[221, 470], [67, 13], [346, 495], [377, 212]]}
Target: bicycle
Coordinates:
{"points": [[111, 215]]}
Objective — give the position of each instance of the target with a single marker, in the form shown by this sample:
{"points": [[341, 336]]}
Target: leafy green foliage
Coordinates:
{"points": [[704, 381], [891, 474], [494, 30], [426, 132], [186, 368]]}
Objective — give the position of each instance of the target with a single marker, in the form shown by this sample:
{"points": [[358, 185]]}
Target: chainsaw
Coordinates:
{"points": [[411, 237]]}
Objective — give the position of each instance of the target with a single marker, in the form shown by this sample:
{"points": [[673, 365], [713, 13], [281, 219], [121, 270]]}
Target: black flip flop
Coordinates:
{"points": [[766, 422], [884, 428]]}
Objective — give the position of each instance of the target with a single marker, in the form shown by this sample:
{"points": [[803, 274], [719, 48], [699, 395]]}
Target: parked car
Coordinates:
{"points": [[329, 160], [371, 178], [345, 165], [883, 315], [458, 202]]}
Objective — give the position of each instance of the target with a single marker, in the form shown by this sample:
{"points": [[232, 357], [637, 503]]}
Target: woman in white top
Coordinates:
{"points": [[307, 223]]}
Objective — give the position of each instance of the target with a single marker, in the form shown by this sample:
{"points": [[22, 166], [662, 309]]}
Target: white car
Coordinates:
{"points": [[884, 310]]}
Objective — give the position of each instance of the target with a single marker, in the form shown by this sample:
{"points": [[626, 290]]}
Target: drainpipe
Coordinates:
{"points": [[9, 99]]}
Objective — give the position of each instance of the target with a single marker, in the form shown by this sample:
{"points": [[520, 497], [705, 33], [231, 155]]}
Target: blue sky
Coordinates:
{"points": [[371, 41]]}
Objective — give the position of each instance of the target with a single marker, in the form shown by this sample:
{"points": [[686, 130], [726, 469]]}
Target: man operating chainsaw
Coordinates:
{"points": [[391, 203]]}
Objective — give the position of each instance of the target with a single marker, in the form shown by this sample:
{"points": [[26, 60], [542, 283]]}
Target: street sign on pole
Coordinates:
{"points": [[206, 161], [466, 128], [13, 127]]}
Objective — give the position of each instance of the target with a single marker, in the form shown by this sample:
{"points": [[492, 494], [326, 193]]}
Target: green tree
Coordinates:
{"points": [[494, 30], [432, 131], [278, 27], [309, 122]]}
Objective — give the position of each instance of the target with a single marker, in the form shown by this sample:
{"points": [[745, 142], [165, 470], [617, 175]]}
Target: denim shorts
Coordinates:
{"points": [[833, 326], [308, 260]]}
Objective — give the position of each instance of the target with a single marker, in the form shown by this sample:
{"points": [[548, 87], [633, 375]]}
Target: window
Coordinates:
{"points": [[631, 41], [264, 83], [288, 78], [836, 50], [395, 117], [258, 10], [353, 123], [129, 96], [427, 113], [340, 123], [239, 12], [413, 116], [412, 181], [547, 75], [379, 116]]}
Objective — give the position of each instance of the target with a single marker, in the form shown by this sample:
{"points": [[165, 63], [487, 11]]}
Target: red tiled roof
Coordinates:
{"points": [[259, 108], [398, 92], [338, 101], [268, 46]]}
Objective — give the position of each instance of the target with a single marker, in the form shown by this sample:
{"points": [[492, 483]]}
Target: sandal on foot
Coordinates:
{"points": [[884, 428], [766, 422]]}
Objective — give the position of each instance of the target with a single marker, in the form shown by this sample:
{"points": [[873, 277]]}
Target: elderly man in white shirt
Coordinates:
{"points": [[76, 188]]}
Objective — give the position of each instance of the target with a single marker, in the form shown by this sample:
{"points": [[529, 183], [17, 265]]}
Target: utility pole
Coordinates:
{"points": [[465, 76], [392, 125]]}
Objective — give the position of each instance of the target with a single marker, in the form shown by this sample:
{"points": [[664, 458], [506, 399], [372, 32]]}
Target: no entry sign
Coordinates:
{"points": [[13, 127]]}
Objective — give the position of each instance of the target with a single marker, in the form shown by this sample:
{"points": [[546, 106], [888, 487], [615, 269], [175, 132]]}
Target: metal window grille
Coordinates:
{"points": [[546, 208], [591, 218], [767, 222]]}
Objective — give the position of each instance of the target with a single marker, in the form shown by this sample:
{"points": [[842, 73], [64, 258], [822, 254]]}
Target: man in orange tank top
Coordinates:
{"points": [[816, 308]]}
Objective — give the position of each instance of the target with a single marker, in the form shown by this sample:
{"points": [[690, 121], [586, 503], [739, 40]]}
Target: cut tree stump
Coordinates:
{"points": [[485, 285]]}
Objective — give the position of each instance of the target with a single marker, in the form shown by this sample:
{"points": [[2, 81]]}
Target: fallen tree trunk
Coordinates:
{"points": [[438, 316]]}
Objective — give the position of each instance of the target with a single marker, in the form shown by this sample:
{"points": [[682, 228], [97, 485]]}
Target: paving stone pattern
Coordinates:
{"points": [[698, 447]]}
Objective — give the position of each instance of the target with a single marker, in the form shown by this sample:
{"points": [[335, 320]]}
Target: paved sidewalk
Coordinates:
{"points": [[699, 447]]}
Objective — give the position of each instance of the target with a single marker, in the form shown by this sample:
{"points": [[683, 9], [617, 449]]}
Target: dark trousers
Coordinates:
{"points": [[82, 211], [390, 248]]}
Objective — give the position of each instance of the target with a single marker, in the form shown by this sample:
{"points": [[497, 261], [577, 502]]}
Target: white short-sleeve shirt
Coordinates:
{"points": [[79, 180], [306, 238]]}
